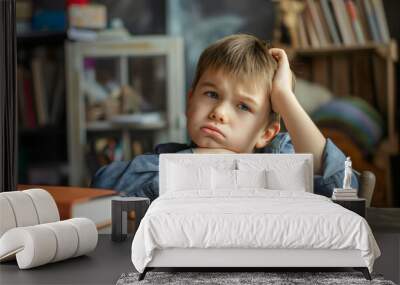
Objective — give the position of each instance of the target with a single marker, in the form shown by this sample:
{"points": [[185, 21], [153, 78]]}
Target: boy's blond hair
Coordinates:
{"points": [[243, 56]]}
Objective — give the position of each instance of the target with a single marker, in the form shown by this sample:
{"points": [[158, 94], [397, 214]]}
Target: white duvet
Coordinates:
{"points": [[250, 219]]}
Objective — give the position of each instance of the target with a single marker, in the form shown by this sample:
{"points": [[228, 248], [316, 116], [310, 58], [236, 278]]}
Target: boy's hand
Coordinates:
{"points": [[282, 82], [212, 150]]}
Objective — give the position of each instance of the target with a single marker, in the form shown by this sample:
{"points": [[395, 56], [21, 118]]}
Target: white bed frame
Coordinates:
{"points": [[234, 257], [246, 257], [243, 259]]}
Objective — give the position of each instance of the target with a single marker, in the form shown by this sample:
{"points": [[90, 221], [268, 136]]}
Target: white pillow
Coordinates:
{"points": [[235, 179], [223, 179], [251, 178], [293, 180], [182, 177]]}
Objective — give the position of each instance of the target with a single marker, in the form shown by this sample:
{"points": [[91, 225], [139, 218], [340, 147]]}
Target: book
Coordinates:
{"points": [[344, 198], [302, 32], [57, 106], [338, 194], [330, 21], [381, 21], [347, 21], [312, 34], [363, 20], [372, 21], [344, 194], [355, 21], [324, 23], [74, 202], [311, 7], [343, 22], [345, 191], [39, 91]]}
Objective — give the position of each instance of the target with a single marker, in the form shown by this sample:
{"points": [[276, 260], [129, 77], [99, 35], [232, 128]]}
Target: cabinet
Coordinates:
{"points": [[126, 89], [356, 205]]}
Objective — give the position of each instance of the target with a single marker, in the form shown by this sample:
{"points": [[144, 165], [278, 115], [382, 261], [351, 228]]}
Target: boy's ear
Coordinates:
{"points": [[268, 134]]}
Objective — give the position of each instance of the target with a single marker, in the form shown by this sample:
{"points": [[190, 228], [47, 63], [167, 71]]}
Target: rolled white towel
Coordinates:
{"points": [[33, 246], [87, 235], [26, 208], [23, 208], [40, 244], [7, 218], [67, 240], [46, 207]]}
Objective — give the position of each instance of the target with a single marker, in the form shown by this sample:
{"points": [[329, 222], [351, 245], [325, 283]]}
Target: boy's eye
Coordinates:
{"points": [[211, 94], [244, 107]]}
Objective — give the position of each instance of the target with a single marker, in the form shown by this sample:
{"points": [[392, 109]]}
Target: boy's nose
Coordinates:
{"points": [[217, 115]]}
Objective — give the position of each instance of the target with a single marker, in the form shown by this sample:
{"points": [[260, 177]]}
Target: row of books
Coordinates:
{"points": [[41, 93], [344, 194], [324, 23]]}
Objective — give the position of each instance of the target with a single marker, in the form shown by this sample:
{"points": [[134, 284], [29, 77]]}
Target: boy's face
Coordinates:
{"points": [[226, 112]]}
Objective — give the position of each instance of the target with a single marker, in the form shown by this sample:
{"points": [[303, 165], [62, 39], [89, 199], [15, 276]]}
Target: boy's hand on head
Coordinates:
{"points": [[204, 150], [283, 80], [305, 135]]}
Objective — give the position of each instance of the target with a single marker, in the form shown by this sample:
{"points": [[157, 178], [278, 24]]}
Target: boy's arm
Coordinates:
{"points": [[138, 177], [305, 135]]}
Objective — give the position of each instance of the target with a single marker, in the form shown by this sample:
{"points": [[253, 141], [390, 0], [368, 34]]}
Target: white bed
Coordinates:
{"points": [[228, 211]]}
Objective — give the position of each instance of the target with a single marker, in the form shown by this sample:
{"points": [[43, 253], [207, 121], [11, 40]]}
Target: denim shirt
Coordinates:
{"points": [[139, 177]]}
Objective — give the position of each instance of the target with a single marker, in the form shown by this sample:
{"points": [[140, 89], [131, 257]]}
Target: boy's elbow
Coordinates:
{"points": [[108, 175]]}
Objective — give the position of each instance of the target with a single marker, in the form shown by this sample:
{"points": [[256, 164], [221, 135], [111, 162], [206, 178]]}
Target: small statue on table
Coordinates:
{"points": [[346, 192], [348, 173]]}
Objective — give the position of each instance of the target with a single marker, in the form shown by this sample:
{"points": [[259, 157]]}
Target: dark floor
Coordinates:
{"points": [[102, 266]]}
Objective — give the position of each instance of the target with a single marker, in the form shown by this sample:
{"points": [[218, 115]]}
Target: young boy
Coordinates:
{"points": [[239, 89]]}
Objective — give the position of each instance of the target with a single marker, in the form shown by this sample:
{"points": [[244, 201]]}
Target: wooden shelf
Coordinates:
{"points": [[384, 50], [111, 126], [34, 38], [43, 131]]}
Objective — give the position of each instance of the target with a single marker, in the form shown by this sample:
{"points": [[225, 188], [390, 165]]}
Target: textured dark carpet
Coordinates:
{"points": [[226, 278]]}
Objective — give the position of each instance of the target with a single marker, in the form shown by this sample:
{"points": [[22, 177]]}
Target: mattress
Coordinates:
{"points": [[250, 219]]}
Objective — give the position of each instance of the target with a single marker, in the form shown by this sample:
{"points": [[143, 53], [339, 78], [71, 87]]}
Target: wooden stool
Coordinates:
{"points": [[121, 206]]}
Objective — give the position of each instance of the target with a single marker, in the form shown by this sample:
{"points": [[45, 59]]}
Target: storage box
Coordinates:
{"points": [[91, 16]]}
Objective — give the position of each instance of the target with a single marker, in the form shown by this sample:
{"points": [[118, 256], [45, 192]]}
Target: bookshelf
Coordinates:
{"points": [[387, 53], [360, 64], [150, 67], [36, 165]]}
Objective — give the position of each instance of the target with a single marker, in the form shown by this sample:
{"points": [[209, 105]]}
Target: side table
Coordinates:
{"points": [[120, 208], [357, 205]]}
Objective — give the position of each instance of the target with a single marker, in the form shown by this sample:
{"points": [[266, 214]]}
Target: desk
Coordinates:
{"points": [[104, 265]]}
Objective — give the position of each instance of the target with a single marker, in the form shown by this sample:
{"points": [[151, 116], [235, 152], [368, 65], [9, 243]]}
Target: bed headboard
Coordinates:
{"points": [[282, 164]]}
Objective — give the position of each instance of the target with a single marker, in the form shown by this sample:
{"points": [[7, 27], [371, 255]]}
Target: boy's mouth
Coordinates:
{"points": [[212, 131]]}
